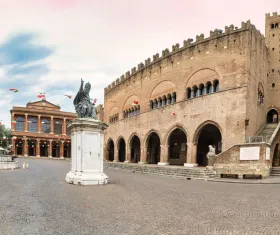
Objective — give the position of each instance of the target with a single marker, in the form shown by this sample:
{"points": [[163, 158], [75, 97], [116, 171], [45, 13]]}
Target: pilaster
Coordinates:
{"points": [[127, 155], [50, 149], [38, 154], [116, 154], [163, 155], [25, 149], [143, 156], [51, 125], [61, 154], [191, 155], [39, 124], [26, 123]]}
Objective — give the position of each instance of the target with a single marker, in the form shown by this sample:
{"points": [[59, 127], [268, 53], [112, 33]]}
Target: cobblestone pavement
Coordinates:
{"points": [[39, 201]]}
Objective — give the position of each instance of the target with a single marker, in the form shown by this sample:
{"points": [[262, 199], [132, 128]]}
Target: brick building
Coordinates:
{"points": [[39, 129], [221, 91]]}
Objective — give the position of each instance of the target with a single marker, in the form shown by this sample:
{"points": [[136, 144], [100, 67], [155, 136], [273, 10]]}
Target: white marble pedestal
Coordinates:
{"points": [[86, 152]]}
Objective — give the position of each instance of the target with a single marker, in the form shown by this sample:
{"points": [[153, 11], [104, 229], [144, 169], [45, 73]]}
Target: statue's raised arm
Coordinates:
{"points": [[83, 106]]}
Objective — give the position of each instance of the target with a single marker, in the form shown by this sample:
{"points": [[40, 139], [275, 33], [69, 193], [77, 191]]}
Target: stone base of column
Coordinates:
{"points": [[116, 161], [127, 161], [142, 162], [190, 164], [61, 157], [163, 163], [25, 155], [86, 178], [38, 156], [49, 156]]}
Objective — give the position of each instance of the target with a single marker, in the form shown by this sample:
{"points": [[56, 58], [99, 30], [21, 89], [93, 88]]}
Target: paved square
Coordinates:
{"points": [[39, 201]]}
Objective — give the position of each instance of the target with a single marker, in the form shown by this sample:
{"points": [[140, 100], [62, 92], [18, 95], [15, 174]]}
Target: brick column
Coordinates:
{"points": [[38, 154], [50, 149], [25, 148], [13, 126], [143, 156], [64, 127], [127, 154], [164, 155], [51, 125], [61, 149], [116, 155], [191, 155], [39, 124], [26, 123]]}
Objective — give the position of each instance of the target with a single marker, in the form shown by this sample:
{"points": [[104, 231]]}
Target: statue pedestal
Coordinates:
{"points": [[86, 152]]}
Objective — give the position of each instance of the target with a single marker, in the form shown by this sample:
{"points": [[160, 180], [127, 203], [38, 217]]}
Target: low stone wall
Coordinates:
{"points": [[8, 165], [230, 162]]}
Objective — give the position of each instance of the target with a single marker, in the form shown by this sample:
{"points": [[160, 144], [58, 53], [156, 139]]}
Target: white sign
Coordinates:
{"points": [[267, 154], [250, 153]]}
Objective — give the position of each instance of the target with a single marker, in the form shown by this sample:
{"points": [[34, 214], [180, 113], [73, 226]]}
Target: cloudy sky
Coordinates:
{"points": [[48, 45]]}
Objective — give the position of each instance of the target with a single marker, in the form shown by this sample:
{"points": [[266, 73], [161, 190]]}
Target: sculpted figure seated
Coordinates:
{"points": [[212, 152], [84, 108]]}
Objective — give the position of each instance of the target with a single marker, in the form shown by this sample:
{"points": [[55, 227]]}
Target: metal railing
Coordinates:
{"points": [[257, 139]]}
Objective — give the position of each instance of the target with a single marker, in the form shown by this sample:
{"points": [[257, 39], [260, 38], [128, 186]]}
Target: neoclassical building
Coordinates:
{"points": [[39, 129], [222, 91]]}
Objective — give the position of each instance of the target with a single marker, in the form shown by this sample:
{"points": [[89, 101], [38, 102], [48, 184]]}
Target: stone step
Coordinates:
{"points": [[197, 173]]}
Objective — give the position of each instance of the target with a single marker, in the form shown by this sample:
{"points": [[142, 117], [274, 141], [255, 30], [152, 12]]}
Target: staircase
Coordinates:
{"points": [[264, 135], [268, 130], [172, 171], [275, 171]]}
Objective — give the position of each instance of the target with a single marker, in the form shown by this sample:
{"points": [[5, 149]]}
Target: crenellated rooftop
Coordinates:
{"points": [[217, 33]]}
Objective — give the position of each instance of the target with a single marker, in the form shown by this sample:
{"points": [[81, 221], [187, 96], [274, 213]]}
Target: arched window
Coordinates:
{"points": [[216, 86], [155, 104], [201, 89], [57, 127], [168, 99], [164, 100], [68, 132], [45, 126], [32, 124], [189, 93], [195, 91], [208, 88], [19, 124], [173, 100], [159, 102], [151, 104]]}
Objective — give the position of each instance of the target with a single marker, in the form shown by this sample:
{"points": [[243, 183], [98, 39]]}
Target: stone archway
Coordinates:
{"points": [[272, 116], [153, 148], [276, 160], [135, 149], [207, 135], [177, 152], [121, 152], [31, 148], [111, 148]]}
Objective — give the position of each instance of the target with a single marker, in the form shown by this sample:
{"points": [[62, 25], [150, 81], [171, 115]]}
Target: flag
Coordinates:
{"points": [[41, 95], [14, 121], [185, 115], [174, 114], [4, 137], [94, 100], [13, 90], [69, 96], [135, 102]]}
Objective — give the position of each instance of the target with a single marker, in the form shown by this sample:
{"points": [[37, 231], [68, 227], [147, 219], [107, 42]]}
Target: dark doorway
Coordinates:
{"points": [[19, 148], [177, 147], [272, 116], [275, 160], [135, 149], [209, 135], [111, 148], [43, 149], [31, 148], [121, 150], [55, 150], [153, 151]]}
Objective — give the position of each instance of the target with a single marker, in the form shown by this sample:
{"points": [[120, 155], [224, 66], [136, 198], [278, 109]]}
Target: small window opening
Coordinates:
{"points": [[272, 26], [272, 70], [276, 25], [273, 48], [273, 85]]}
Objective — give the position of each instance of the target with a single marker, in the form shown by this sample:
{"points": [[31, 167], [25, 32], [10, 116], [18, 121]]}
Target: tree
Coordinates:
{"points": [[5, 136]]}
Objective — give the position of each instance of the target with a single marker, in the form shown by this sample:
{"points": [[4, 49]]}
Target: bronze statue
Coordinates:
{"points": [[84, 108]]}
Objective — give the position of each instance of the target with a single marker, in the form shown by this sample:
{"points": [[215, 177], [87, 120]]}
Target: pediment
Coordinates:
{"points": [[43, 104]]}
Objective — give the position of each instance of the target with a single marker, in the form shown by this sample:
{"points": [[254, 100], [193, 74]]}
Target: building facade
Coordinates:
{"points": [[220, 91], [39, 129]]}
